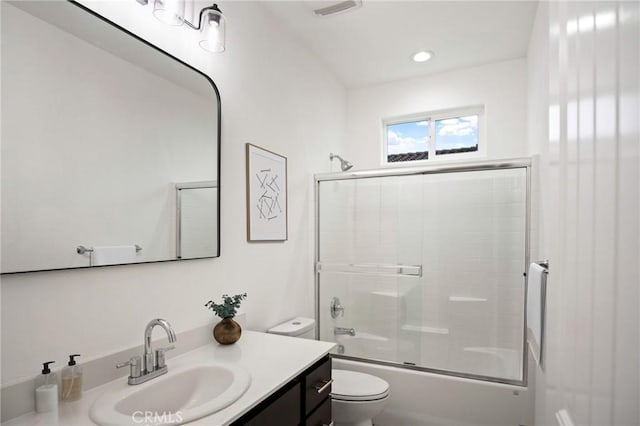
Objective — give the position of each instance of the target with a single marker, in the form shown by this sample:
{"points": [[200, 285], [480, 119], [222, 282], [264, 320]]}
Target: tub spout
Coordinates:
{"points": [[343, 330]]}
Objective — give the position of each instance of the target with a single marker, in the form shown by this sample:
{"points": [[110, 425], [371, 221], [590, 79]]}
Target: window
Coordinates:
{"points": [[452, 134]]}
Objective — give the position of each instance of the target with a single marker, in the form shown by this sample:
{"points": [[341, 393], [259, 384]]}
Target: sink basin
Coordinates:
{"points": [[178, 397]]}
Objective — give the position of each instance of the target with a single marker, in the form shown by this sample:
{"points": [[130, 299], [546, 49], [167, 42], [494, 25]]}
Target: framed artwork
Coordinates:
{"points": [[266, 195]]}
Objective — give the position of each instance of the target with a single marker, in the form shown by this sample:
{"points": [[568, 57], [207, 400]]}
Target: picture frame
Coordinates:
{"points": [[267, 195]]}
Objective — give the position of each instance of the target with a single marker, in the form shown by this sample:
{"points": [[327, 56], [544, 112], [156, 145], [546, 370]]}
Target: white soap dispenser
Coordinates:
{"points": [[72, 380], [47, 390]]}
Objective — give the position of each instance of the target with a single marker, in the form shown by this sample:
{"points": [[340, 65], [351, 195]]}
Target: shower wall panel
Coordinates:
{"points": [[466, 230]]}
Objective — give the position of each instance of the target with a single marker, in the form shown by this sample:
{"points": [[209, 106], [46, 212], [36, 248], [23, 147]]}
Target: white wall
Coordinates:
{"points": [[500, 87], [583, 67], [274, 94]]}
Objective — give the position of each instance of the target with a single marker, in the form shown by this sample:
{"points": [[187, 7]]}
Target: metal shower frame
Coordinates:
{"points": [[516, 163]]}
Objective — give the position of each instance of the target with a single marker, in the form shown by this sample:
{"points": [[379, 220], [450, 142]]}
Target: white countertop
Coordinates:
{"points": [[271, 360]]}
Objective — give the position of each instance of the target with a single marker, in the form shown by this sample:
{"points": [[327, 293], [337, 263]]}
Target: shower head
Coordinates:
{"points": [[344, 164]]}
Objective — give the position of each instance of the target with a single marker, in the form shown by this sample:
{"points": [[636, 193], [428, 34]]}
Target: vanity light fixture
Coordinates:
{"points": [[211, 22], [170, 12], [422, 56], [212, 27]]}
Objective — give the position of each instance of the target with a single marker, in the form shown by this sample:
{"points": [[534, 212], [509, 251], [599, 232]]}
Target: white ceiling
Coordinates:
{"points": [[374, 43]]}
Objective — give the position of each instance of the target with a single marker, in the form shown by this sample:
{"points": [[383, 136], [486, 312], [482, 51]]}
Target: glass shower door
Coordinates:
{"points": [[370, 249], [426, 270]]}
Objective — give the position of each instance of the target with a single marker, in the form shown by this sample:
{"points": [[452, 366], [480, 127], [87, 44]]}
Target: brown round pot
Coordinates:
{"points": [[227, 331]]}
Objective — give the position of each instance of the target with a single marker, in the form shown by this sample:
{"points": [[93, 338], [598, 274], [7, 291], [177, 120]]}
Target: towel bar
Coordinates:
{"points": [[83, 249], [545, 264]]}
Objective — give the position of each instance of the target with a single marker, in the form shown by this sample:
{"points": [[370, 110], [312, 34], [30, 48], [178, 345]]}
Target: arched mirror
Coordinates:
{"points": [[110, 146]]}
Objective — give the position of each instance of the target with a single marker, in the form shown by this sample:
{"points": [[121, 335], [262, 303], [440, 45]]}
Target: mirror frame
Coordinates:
{"points": [[218, 136]]}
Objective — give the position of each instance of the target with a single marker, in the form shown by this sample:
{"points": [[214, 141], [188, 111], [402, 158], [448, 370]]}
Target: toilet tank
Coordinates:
{"points": [[296, 327]]}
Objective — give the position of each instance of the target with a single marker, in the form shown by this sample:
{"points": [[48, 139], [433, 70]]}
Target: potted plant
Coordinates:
{"points": [[227, 331]]}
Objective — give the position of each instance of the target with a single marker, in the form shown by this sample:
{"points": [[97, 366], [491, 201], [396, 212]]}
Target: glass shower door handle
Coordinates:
{"points": [[370, 269]]}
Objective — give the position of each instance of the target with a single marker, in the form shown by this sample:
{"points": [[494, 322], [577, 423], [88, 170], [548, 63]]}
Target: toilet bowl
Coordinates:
{"points": [[356, 397]]}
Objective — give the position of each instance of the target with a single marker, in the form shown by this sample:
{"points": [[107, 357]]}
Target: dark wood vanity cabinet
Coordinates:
{"points": [[321, 416], [282, 408], [304, 401]]}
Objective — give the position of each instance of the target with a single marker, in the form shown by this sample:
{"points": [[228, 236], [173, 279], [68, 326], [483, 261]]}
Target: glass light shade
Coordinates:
{"points": [[171, 12], [212, 31]]}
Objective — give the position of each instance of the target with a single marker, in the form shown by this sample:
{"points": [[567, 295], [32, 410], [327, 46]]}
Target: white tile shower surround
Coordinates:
{"points": [[467, 230]]}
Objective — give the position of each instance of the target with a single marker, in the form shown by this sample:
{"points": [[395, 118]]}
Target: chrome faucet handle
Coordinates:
{"points": [[160, 358], [336, 308], [135, 364]]}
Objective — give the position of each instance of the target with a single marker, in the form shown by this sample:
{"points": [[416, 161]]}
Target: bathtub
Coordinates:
{"points": [[426, 399], [481, 361]]}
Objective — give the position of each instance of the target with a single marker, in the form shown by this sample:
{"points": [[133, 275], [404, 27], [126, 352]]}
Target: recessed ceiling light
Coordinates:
{"points": [[422, 56]]}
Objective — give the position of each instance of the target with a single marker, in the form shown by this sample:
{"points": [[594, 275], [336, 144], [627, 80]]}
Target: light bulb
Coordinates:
{"points": [[213, 34], [422, 56]]}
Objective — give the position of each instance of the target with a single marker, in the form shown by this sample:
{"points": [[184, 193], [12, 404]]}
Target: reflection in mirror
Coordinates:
{"points": [[107, 143]]}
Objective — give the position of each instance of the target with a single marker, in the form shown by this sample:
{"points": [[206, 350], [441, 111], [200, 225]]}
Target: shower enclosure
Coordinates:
{"points": [[424, 268]]}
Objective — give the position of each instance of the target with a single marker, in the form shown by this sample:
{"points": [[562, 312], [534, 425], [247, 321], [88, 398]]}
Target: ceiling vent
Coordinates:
{"points": [[343, 6]]}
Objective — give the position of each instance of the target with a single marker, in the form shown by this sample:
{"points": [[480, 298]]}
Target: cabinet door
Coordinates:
{"points": [[317, 385], [284, 411], [322, 415]]}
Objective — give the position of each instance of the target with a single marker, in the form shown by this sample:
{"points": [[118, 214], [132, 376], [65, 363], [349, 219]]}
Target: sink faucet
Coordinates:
{"points": [[154, 364], [150, 362], [343, 330]]}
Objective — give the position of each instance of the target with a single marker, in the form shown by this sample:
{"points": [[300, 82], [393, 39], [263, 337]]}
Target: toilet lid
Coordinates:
{"points": [[354, 386], [294, 327]]}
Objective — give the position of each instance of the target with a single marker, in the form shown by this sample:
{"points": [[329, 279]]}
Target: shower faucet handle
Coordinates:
{"points": [[336, 308]]}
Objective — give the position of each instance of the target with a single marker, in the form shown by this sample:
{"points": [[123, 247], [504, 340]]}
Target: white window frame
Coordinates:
{"points": [[432, 116]]}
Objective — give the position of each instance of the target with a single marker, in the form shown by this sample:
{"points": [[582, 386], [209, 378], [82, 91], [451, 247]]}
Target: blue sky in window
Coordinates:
{"points": [[403, 138], [460, 132]]}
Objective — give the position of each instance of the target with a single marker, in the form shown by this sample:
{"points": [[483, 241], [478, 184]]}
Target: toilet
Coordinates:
{"points": [[356, 397]]}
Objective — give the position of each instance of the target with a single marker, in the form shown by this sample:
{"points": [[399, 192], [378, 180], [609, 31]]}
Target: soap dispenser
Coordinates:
{"points": [[72, 380], [46, 390]]}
